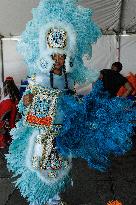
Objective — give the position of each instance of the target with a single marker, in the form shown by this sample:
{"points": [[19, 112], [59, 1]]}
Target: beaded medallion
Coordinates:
{"points": [[57, 38]]}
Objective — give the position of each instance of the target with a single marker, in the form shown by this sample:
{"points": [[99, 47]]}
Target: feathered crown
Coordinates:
{"points": [[59, 26]]}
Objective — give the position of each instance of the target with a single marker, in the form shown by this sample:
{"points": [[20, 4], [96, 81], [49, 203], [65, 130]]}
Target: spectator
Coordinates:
{"points": [[8, 110], [113, 80]]}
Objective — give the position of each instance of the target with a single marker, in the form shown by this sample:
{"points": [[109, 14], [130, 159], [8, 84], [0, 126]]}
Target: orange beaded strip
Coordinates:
{"points": [[40, 121]]}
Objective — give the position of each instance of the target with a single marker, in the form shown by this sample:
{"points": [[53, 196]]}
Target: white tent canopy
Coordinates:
{"points": [[111, 15]]}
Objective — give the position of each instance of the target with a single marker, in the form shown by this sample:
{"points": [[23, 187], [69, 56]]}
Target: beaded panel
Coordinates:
{"points": [[42, 111]]}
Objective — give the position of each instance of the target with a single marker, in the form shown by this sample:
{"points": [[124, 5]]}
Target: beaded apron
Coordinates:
{"points": [[43, 157]]}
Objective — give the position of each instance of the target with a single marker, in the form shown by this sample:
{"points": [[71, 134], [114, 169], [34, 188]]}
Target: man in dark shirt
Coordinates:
{"points": [[113, 80]]}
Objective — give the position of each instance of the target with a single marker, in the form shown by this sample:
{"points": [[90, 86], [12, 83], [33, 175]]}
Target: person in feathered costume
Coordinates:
{"points": [[53, 45], [56, 125]]}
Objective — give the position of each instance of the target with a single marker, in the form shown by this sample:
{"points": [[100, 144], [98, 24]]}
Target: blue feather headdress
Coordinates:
{"points": [[59, 20]]}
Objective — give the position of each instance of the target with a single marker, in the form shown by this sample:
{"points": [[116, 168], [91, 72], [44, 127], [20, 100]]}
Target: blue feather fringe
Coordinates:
{"points": [[97, 127], [29, 183]]}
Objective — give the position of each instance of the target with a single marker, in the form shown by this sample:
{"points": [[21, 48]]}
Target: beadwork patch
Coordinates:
{"points": [[43, 157], [57, 38], [42, 111]]}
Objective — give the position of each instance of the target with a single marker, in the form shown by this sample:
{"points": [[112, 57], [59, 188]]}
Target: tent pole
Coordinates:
{"points": [[118, 36], [2, 61], [118, 39], [121, 17]]}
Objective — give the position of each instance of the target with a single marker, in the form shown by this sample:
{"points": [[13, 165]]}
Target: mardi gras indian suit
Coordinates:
{"points": [[48, 134]]}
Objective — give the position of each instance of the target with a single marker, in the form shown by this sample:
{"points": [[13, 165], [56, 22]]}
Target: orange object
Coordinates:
{"points": [[132, 80], [116, 202], [39, 121]]}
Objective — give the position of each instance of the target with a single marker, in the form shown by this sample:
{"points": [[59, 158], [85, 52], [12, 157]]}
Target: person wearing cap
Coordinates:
{"points": [[53, 45]]}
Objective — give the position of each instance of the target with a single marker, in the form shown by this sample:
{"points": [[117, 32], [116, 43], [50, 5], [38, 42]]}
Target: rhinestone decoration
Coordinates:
{"points": [[50, 160], [42, 111], [38, 139], [41, 114], [57, 38], [43, 63], [35, 162]]}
